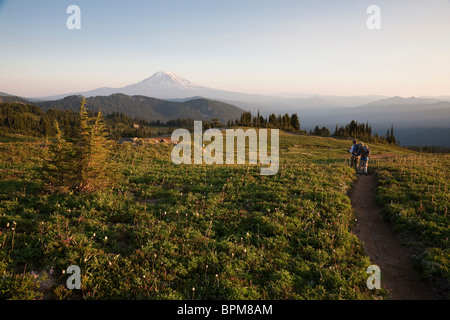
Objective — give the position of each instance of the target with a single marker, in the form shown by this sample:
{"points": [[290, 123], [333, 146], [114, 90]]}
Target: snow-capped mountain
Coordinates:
{"points": [[168, 86], [166, 79], [164, 85], [161, 85], [322, 110]]}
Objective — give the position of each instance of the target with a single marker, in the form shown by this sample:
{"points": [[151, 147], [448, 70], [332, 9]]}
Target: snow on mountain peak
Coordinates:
{"points": [[168, 79]]}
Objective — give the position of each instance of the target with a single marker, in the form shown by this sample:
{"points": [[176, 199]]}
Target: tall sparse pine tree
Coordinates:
{"points": [[82, 164], [59, 169]]}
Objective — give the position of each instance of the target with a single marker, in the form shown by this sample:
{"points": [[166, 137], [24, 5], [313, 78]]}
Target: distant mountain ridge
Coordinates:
{"points": [[183, 99], [417, 121], [150, 109], [5, 97], [166, 85], [397, 101]]}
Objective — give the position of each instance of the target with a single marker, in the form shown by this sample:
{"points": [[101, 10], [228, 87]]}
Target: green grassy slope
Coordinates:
{"points": [[224, 230], [413, 191]]}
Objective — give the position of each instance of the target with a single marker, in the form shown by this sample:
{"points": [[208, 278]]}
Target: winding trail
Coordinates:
{"points": [[398, 277]]}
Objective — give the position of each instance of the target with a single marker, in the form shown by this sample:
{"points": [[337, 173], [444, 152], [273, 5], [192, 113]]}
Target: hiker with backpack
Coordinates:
{"points": [[364, 161], [354, 149]]}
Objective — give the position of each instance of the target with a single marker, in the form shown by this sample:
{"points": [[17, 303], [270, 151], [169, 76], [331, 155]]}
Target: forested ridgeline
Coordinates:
{"points": [[291, 123], [31, 120]]}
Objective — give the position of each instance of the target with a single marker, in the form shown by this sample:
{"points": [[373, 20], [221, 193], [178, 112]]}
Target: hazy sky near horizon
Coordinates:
{"points": [[255, 46]]}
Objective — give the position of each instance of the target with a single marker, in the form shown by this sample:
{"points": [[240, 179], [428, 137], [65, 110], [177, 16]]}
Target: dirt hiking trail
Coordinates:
{"points": [[398, 277]]}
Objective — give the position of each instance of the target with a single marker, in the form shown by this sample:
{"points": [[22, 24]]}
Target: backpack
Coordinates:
{"points": [[365, 151], [357, 150]]}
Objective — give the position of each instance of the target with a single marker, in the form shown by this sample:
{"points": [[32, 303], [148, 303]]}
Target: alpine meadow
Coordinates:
{"points": [[307, 158], [141, 227]]}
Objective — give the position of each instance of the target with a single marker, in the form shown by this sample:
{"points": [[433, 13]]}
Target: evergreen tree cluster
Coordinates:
{"points": [[364, 132], [25, 119], [119, 125], [324, 131], [390, 138], [30, 120], [186, 123], [282, 122], [354, 129], [80, 163]]}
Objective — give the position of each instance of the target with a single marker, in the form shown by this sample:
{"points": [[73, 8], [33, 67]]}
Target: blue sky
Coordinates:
{"points": [[261, 46]]}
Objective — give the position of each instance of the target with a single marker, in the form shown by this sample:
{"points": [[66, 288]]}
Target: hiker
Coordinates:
{"points": [[364, 162], [356, 154], [354, 157]]}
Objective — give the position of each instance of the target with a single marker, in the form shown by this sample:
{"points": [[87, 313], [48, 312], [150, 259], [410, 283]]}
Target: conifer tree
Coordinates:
{"points": [[59, 169], [81, 164], [93, 151], [83, 147], [295, 123]]}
